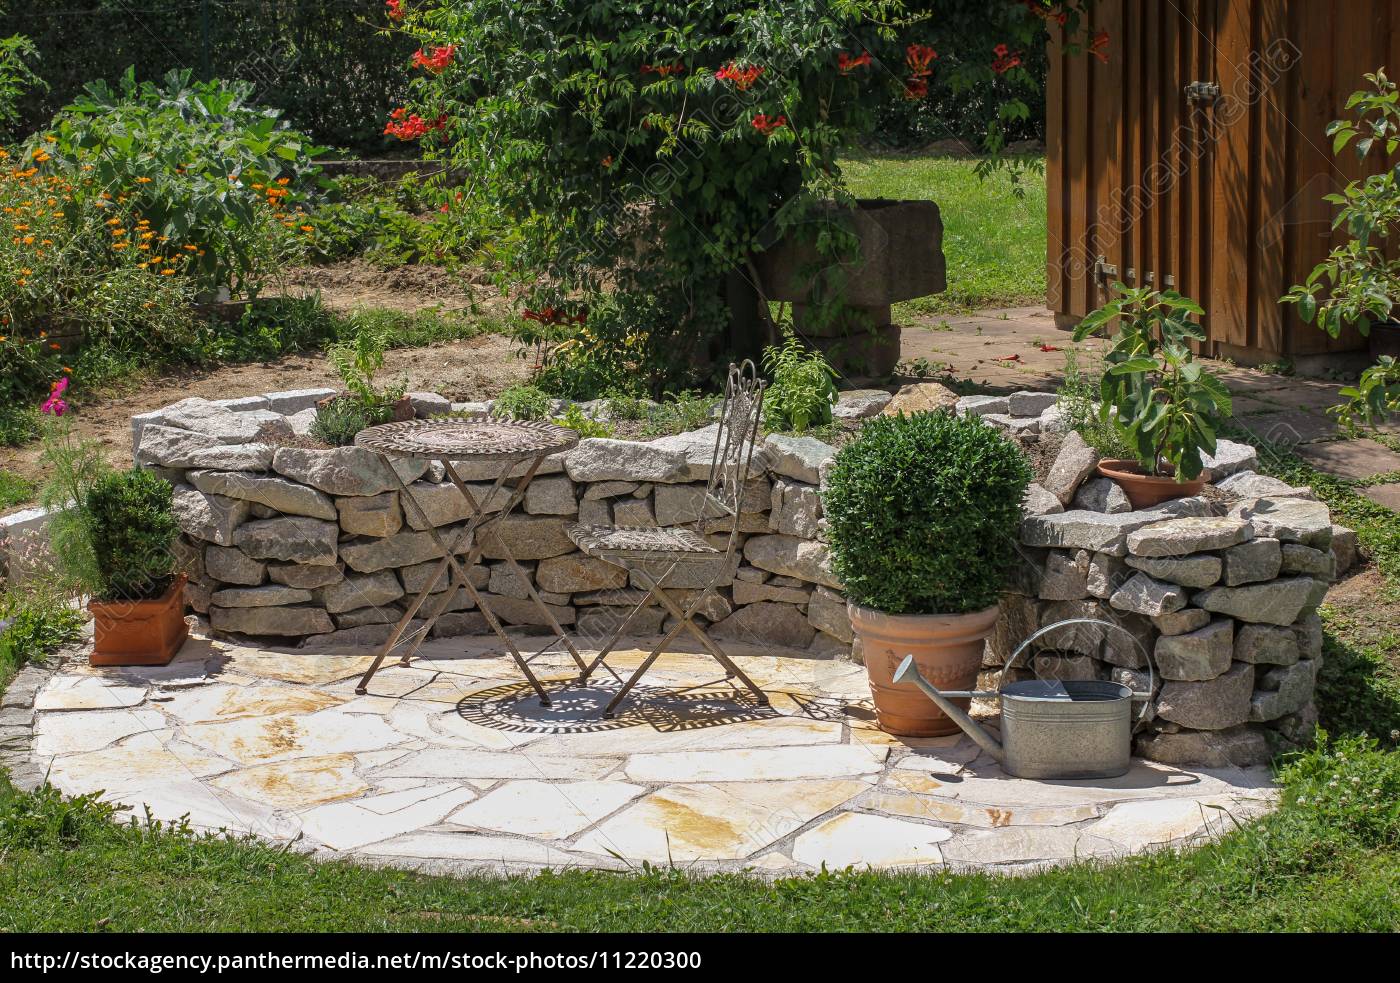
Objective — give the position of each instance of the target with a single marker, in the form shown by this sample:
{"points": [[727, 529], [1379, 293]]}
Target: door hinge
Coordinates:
{"points": [[1206, 92], [1104, 271]]}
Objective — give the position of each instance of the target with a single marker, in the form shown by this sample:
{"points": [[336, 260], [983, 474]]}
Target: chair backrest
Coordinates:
{"points": [[735, 438]]}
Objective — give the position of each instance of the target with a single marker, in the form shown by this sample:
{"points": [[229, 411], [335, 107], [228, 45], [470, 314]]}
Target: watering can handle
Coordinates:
{"points": [[1151, 672]]}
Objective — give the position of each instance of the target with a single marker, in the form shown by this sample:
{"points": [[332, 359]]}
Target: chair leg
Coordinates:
{"points": [[710, 644], [610, 710]]}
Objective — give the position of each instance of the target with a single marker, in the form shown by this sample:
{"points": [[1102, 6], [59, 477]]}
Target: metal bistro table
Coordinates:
{"points": [[503, 442]]}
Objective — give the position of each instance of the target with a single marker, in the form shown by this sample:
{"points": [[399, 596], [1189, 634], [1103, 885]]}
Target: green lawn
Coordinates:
{"points": [[14, 489], [1309, 867], [993, 240]]}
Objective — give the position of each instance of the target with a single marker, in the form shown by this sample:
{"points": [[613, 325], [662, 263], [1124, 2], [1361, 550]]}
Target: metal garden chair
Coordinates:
{"points": [[650, 555]]}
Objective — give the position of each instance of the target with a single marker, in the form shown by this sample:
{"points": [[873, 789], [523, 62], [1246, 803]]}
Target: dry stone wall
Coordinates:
{"points": [[1219, 591]]}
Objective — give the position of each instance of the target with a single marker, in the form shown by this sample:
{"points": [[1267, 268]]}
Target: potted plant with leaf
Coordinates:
{"points": [[923, 513], [139, 607], [1153, 391]]}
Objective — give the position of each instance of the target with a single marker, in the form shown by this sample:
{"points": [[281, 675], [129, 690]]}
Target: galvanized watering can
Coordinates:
{"points": [[1073, 728]]}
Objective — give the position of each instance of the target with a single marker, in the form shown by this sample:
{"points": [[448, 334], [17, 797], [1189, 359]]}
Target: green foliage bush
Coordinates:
{"points": [[38, 618], [133, 533], [803, 389], [522, 403], [214, 173], [923, 513], [17, 57]]}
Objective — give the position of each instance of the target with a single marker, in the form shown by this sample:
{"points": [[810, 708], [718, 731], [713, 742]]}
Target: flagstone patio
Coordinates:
{"points": [[452, 764]]}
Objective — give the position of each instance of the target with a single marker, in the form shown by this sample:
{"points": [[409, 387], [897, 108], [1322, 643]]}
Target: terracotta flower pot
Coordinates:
{"points": [[1145, 490], [140, 633], [947, 649]]}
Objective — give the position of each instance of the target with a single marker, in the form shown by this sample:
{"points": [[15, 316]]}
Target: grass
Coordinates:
{"points": [[14, 489], [993, 240], [1319, 865]]}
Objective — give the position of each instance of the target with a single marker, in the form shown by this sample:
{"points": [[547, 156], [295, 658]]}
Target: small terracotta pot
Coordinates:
{"points": [[139, 633], [1145, 490], [947, 648]]}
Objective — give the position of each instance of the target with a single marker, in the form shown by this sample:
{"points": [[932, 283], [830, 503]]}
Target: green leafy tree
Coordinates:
{"points": [[652, 149], [1359, 281]]}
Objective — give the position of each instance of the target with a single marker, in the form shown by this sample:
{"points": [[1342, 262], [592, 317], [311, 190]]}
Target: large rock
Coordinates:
{"points": [[415, 578], [1198, 571], [1283, 690], [1279, 602], [1230, 457], [1212, 704], [1251, 562], [982, 406], [212, 518], [344, 470], [370, 515], [1181, 622], [790, 556], [796, 509], [915, 397], [861, 404], [827, 613], [289, 401], [1099, 532], [212, 420], [679, 504], [604, 459], [1066, 576], [169, 447], [1251, 484], [518, 611], [1297, 558], [748, 592], [444, 504], [552, 495], [400, 550], [1106, 574], [1235, 747], [271, 621], [527, 538], [1038, 501], [1195, 534], [766, 623], [233, 566], [278, 494], [699, 449], [1028, 402], [294, 539], [797, 457], [1144, 595], [362, 591], [1075, 462], [309, 578], [1290, 520], [269, 596], [576, 572], [1269, 644], [1101, 495], [1197, 655]]}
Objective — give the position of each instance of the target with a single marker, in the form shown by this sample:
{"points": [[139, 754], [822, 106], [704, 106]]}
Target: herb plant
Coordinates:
{"points": [[1166, 404], [803, 388]]}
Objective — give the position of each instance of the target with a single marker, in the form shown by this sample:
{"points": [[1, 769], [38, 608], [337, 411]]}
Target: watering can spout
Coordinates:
{"points": [[909, 673]]}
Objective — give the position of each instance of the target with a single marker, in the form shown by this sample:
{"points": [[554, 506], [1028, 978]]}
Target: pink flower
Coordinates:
{"points": [[55, 404]]}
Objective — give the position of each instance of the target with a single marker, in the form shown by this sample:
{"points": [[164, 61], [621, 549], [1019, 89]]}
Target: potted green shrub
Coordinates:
{"points": [[1153, 391], [139, 608], [923, 513]]}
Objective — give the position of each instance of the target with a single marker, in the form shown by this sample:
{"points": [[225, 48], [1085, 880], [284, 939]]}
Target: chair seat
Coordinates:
{"points": [[639, 542]]}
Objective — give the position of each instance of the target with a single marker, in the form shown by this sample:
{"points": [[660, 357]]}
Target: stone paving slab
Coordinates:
{"points": [[451, 764], [1359, 459]]}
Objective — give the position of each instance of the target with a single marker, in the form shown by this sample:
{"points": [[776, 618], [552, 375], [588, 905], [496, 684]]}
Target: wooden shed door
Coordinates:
{"points": [[1130, 179]]}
